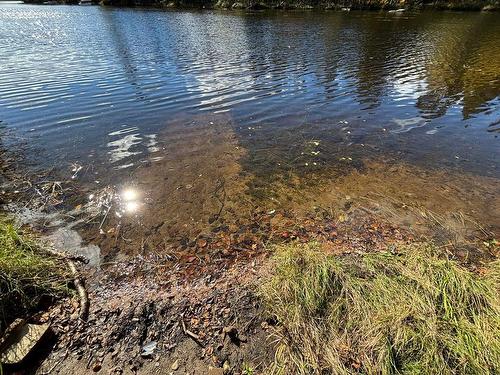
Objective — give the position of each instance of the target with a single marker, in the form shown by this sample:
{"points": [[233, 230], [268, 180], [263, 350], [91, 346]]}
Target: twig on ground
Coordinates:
{"points": [[80, 288], [82, 292], [194, 336]]}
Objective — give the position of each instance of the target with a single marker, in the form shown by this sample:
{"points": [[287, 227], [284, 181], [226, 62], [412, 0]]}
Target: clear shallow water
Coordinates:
{"points": [[97, 85]]}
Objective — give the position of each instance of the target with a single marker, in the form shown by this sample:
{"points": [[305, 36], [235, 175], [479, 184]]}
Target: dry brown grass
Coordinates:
{"points": [[410, 312]]}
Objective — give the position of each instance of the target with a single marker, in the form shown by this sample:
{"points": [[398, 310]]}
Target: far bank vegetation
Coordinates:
{"points": [[489, 5]]}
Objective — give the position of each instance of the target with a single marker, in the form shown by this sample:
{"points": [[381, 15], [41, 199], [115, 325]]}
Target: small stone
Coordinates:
{"points": [[24, 337], [97, 367], [175, 365], [148, 349]]}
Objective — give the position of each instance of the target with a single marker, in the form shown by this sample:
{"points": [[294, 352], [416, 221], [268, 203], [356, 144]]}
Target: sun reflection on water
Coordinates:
{"points": [[130, 201], [129, 195], [131, 207]]}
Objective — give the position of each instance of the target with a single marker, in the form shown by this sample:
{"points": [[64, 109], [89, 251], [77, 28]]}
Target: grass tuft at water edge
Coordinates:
{"points": [[408, 312], [28, 274]]}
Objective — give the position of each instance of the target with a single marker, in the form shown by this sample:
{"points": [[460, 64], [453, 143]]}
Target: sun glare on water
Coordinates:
{"points": [[130, 200]]}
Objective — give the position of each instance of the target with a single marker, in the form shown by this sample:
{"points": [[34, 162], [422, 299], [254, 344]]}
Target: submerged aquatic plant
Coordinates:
{"points": [[382, 313], [28, 274]]}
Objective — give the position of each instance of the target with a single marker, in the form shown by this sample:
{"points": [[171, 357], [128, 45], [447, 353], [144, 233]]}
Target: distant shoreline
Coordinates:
{"points": [[325, 5]]}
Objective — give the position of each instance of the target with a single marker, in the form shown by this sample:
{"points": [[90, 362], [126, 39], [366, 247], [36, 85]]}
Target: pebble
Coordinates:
{"points": [[175, 365], [97, 367]]}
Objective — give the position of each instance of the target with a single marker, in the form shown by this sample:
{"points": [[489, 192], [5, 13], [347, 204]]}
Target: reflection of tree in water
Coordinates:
{"points": [[284, 53], [373, 55], [441, 59], [137, 42], [464, 65], [457, 58], [118, 33], [372, 67], [211, 53]]}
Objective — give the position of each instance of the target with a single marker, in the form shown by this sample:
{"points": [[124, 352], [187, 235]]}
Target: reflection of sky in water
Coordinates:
{"points": [[109, 96], [121, 148], [405, 125], [127, 144]]}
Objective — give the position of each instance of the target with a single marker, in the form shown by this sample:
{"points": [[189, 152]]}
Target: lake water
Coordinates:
{"points": [[115, 89]]}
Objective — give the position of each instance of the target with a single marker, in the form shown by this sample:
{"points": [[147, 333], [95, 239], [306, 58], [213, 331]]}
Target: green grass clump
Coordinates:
{"points": [[28, 274], [413, 312]]}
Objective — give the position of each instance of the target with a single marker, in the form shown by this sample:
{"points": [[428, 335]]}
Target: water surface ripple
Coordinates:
{"points": [[73, 78]]}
